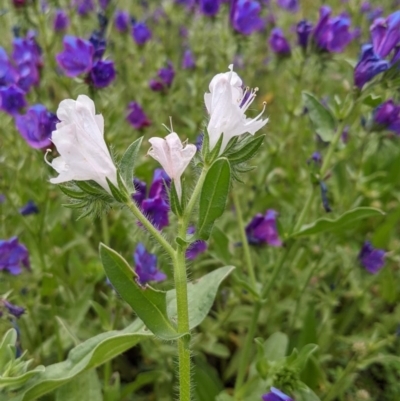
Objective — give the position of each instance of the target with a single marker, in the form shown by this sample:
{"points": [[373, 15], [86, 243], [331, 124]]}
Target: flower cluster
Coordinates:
{"points": [[146, 266], [13, 256], [262, 229], [385, 38], [165, 77]]}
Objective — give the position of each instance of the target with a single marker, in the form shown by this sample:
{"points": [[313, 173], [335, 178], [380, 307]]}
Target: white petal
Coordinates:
{"points": [[160, 152]]}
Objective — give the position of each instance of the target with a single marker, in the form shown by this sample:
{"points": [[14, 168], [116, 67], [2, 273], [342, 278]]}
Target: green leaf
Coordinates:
{"points": [[117, 194], [72, 193], [91, 188], [304, 355], [324, 224], [207, 384], [86, 386], [321, 118], [176, 205], [92, 353], [127, 164], [9, 339], [247, 151], [213, 196], [221, 248], [18, 381], [211, 155], [201, 295], [373, 100], [275, 347], [150, 305]]}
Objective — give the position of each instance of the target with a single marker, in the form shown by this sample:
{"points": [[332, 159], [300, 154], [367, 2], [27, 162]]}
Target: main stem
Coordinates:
{"points": [[183, 323]]}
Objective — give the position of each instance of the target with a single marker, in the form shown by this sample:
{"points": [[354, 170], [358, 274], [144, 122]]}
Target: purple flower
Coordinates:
{"points": [[141, 33], [2, 199], [104, 4], [29, 208], [12, 99], [146, 266], [387, 116], [36, 126], [316, 158], [289, 5], [375, 13], [279, 43], [167, 74], [368, 66], [121, 20], [26, 50], [99, 44], [77, 57], [188, 61], [275, 395], [332, 34], [165, 78], [156, 205], [102, 73], [13, 256], [303, 30], [365, 7], [262, 229], [61, 21], [136, 116], [8, 74], [245, 17], [385, 34], [209, 7], [196, 248], [14, 310], [83, 7], [372, 259]]}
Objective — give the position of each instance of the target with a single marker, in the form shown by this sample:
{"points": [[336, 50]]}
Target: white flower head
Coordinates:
{"points": [[79, 139], [173, 156], [227, 104]]}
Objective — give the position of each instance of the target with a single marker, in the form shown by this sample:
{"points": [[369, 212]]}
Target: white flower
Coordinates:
{"points": [[79, 139], [172, 156], [227, 104]]}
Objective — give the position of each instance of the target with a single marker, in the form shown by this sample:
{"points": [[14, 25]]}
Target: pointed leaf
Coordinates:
{"points": [[92, 353], [117, 194], [127, 164], [325, 224], [321, 118], [86, 386], [201, 295], [275, 347], [247, 151], [72, 193], [150, 305], [213, 196]]}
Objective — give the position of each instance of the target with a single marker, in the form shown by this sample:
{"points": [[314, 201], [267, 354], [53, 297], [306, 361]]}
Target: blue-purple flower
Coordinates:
{"points": [[156, 205], [278, 42], [385, 33], [289, 5], [29, 208], [83, 7], [188, 61], [303, 30], [121, 20], [99, 43], [36, 126], [141, 33], [245, 16], [165, 78], [102, 73], [13, 256], [209, 7], [369, 65], [332, 34], [387, 117], [195, 248], [61, 21], [136, 116], [146, 266], [275, 395], [372, 259], [12, 99], [77, 57], [12, 309], [262, 229]]}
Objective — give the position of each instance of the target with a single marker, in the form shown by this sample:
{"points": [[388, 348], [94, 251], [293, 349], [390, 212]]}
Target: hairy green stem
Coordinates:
{"points": [[152, 230], [245, 244], [193, 199], [180, 277]]}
